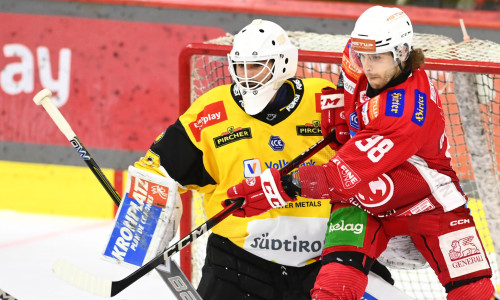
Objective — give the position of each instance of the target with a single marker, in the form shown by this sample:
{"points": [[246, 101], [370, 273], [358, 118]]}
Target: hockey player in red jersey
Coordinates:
{"points": [[395, 167]]}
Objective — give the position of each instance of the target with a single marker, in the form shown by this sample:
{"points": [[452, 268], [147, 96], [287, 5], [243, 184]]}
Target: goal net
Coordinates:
{"points": [[467, 77]]}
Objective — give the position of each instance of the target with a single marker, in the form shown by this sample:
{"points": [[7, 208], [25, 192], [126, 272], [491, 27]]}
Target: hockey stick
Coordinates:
{"points": [[106, 288], [43, 98]]}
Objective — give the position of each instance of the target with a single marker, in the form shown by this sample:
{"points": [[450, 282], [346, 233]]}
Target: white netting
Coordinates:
{"points": [[471, 102]]}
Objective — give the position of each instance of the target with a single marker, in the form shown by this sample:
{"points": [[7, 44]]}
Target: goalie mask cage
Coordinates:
{"points": [[467, 77]]}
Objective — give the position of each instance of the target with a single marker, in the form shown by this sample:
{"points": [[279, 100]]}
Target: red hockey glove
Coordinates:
{"points": [[333, 116], [261, 194]]}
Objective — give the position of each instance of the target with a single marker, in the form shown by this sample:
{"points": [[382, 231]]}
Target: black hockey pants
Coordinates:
{"points": [[231, 273]]}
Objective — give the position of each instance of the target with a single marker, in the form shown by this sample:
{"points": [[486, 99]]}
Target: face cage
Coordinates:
{"points": [[250, 84]]}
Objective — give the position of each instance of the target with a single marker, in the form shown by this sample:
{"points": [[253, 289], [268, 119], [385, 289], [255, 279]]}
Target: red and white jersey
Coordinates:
{"points": [[396, 162]]}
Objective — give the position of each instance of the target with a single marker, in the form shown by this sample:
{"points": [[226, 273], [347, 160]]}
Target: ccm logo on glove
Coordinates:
{"points": [[261, 194], [271, 190]]}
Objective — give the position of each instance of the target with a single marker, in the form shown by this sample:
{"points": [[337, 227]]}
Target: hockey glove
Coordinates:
{"points": [[261, 193], [333, 116]]}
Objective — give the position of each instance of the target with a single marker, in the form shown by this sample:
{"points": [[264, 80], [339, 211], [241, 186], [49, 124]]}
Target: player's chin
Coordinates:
{"points": [[376, 82]]}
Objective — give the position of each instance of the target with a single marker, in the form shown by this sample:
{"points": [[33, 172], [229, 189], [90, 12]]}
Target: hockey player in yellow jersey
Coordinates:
{"points": [[263, 120]]}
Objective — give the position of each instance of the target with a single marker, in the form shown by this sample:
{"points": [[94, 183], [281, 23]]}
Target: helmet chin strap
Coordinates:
{"points": [[400, 65]]}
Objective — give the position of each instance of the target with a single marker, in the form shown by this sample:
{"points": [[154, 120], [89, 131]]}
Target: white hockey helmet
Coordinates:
{"points": [[265, 43], [383, 29]]}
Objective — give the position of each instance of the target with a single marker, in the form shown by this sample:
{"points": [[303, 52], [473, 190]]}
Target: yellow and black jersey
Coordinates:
{"points": [[215, 145]]}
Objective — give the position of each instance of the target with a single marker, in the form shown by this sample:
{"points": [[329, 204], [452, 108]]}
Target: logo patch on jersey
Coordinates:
{"points": [[349, 85], [309, 129], [463, 252], [232, 135], [377, 192], [353, 120], [212, 114], [252, 167], [298, 84], [347, 226], [370, 110], [420, 207], [420, 110], [283, 162], [373, 108], [348, 177], [276, 143], [395, 104], [292, 104], [363, 97]]}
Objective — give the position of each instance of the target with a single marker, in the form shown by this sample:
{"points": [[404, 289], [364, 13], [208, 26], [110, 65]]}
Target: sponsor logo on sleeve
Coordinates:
{"points": [[212, 114], [347, 176], [232, 135], [395, 103], [463, 252], [309, 129], [276, 143], [420, 110], [349, 85]]}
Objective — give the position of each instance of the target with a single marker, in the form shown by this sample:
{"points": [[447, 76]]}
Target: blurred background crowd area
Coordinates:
{"points": [[493, 5]]}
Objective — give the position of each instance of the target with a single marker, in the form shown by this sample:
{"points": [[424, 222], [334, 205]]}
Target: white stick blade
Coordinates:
{"points": [[81, 279], [41, 95]]}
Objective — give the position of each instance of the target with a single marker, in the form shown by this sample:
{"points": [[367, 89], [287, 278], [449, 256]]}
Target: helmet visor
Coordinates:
{"points": [[379, 68]]}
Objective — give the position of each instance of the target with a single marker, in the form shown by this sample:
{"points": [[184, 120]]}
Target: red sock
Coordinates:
{"points": [[337, 281]]}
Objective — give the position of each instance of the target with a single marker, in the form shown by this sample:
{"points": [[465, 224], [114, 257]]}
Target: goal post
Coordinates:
{"points": [[467, 77]]}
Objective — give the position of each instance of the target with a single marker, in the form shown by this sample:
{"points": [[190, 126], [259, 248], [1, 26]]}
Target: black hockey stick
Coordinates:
{"points": [[43, 98], [107, 288]]}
